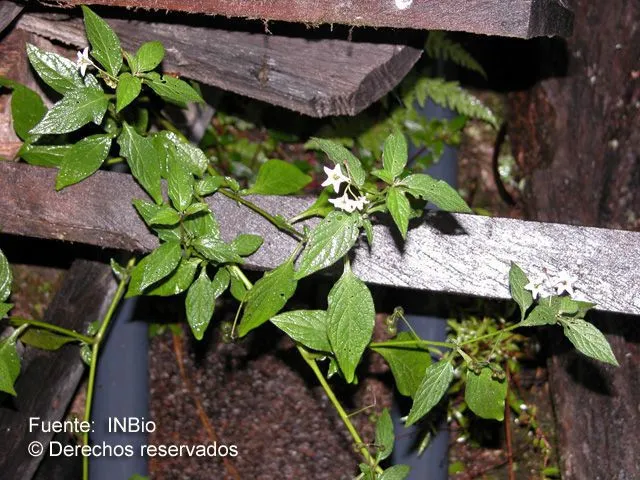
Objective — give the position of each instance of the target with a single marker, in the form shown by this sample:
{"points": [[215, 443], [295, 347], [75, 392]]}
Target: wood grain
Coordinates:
{"points": [[462, 254], [48, 380], [319, 77], [524, 18]]}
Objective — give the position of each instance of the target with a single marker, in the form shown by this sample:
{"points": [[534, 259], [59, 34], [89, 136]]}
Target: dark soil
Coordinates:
{"points": [[261, 397]]}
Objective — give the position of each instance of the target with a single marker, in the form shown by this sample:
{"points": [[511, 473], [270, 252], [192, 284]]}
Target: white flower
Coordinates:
{"points": [[565, 282], [335, 177], [83, 61], [537, 286], [348, 204], [344, 203], [360, 202]]}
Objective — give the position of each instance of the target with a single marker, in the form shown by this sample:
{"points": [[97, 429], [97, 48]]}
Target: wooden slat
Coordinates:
{"points": [[522, 18], [463, 254], [318, 77], [48, 380]]}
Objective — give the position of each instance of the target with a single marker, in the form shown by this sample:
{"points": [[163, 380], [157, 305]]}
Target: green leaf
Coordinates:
{"points": [[517, 281], [180, 182], [189, 155], [589, 340], [308, 327], [5, 278], [213, 248], [142, 159], [58, 72], [385, 437], [395, 153], [238, 289], [82, 160], [9, 364], [27, 109], [267, 297], [209, 185], [4, 309], [400, 209], [179, 280], [320, 208], [197, 207], [440, 46], [173, 90], [338, 154], [438, 192], [76, 109], [104, 42], [164, 215], [433, 387], [351, 320], [451, 95], [43, 155], [220, 282], [276, 177], [383, 175], [407, 365], [202, 224], [397, 472], [485, 395], [154, 267], [200, 303], [127, 90], [44, 339], [329, 241], [118, 270], [246, 244], [149, 56], [540, 315]]}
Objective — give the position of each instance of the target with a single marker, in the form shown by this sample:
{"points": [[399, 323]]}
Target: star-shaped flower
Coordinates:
{"points": [[565, 282], [83, 61], [343, 203], [349, 204], [335, 177], [537, 286]]}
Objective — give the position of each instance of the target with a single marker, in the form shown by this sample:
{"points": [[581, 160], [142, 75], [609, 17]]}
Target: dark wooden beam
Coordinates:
{"points": [[523, 18], [48, 380], [462, 254], [318, 77]]}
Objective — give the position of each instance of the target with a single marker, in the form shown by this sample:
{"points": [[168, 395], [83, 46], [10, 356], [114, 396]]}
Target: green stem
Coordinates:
{"points": [[53, 328], [278, 223], [240, 274], [95, 351], [412, 343], [336, 403], [489, 335]]}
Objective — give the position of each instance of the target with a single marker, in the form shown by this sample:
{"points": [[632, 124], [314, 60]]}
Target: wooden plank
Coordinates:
{"points": [[462, 254], [524, 18], [48, 380], [318, 77], [8, 13], [585, 168]]}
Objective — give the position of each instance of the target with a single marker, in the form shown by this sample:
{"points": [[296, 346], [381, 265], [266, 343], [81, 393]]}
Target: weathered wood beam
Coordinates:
{"points": [[463, 254], [315, 77], [48, 380], [524, 18]]}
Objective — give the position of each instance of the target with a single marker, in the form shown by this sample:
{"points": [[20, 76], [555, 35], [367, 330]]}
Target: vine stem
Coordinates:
{"points": [[53, 328], [336, 403], [279, 224], [420, 343], [95, 351]]}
